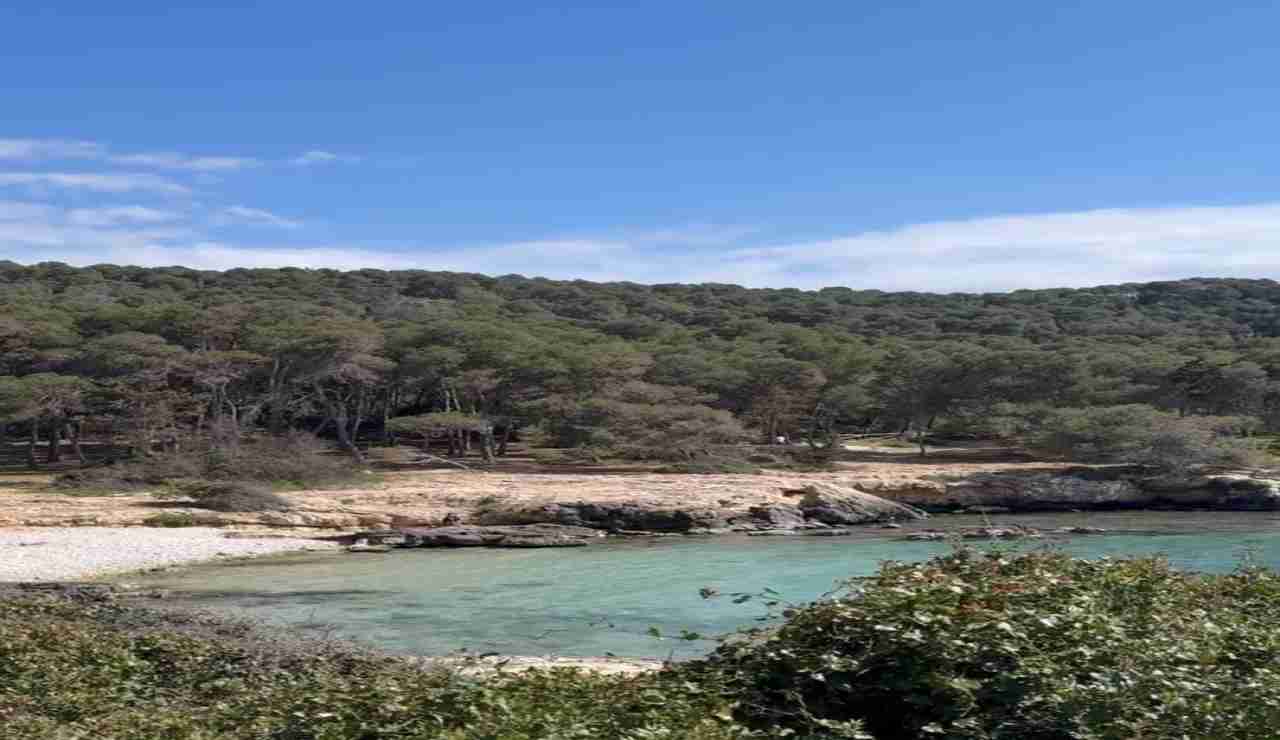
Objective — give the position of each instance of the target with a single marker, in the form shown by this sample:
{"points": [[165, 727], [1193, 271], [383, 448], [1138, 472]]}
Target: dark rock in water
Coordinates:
{"points": [[828, 533], [839, 505], [613, 517], [999, 533], [929, 536], [1109, 488], [778, 516], [988, 510], [379, 537], [774, 533], [1221, 492], [891, 525], [1041, 492], [975, 533], [365, 547], [534, 535], [1081, 530]]}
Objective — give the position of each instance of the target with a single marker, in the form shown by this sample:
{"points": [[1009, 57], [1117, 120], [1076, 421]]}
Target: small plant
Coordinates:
{"points": [[231, 497], [170, 519]]}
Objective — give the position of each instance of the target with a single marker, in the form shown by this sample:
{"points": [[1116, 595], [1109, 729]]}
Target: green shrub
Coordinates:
{"points": [[1034, 647], [296, 460], [231, 496], [712, 466], [971, 646], [170, 519], [100, 670], [1140, 434]]}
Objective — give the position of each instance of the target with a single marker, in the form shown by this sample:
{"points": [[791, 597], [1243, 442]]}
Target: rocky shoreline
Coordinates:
{"points": [[569, 511], [829, 509]]}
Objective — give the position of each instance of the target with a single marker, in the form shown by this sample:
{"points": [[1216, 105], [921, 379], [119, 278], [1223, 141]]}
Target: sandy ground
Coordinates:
{"points": [[53, 554], [425, 497], [49, 535]]}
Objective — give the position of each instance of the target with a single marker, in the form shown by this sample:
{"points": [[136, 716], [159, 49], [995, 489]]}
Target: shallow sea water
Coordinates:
{"points": [[604, 599]]}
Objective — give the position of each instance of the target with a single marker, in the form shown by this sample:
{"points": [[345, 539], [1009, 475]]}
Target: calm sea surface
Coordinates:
{"points": [[604, 598]]}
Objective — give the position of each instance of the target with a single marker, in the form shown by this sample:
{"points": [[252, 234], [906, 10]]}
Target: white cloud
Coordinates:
{"points": [[243, 214], [120, 215], [61, 149], [175, 161], [98, 182], [997, 253], [35, 149], [1037, 250], [13, 210], [318, 156]]}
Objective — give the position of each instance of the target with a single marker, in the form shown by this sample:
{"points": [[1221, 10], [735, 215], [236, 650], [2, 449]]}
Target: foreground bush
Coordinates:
{"points": [[297, 460], [1033, 647], [72, 670], [965, 647]]}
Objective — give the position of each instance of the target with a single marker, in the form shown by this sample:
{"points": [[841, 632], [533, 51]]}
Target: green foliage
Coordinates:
{"points": [[230, 496], [971, 646], [103, 671], [1036, 647], [168, 356], [1147, 436], [170, 519], [639, 430], [294, 460], [440, 422]]}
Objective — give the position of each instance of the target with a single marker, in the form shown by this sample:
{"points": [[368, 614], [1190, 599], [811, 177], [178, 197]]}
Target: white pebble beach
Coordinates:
{"points": [[77, 553]]}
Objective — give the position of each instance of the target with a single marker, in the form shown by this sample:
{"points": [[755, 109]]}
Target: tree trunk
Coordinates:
{"points": [[388, 438], [506, 436], [31, 446], [339, 415], [486, 444], [275, 394], [73, 433], [55, 443]]}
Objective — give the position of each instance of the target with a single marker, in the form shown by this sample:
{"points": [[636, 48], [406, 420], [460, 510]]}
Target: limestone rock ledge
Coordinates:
{"points": [[1090, 489]]}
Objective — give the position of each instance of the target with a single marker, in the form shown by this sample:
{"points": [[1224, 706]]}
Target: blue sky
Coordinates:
{"points": [[926, 146]]}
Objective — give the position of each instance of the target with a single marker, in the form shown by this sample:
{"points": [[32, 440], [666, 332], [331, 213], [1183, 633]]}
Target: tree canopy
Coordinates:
{"points": [[156, 355]]}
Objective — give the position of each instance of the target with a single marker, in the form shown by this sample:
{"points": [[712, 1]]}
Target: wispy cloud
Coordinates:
{"points": [[42, 150], [246, 215], [98, 182], [35, 232], [57, 150], [13, 210], [176, 161], [120, 215], [996, 253], [36, 149], [1036, 250], [319, 156]]}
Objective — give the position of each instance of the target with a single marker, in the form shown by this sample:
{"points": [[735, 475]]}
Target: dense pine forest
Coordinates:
{"points": [[155, 360]]}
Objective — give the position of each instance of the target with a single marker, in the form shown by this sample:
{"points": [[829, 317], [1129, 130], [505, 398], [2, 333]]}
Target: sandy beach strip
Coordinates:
{"points": [[78, 553]]}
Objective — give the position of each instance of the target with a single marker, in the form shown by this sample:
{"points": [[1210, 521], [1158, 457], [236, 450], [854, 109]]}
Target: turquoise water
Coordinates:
{"points": [[604, 599]]}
